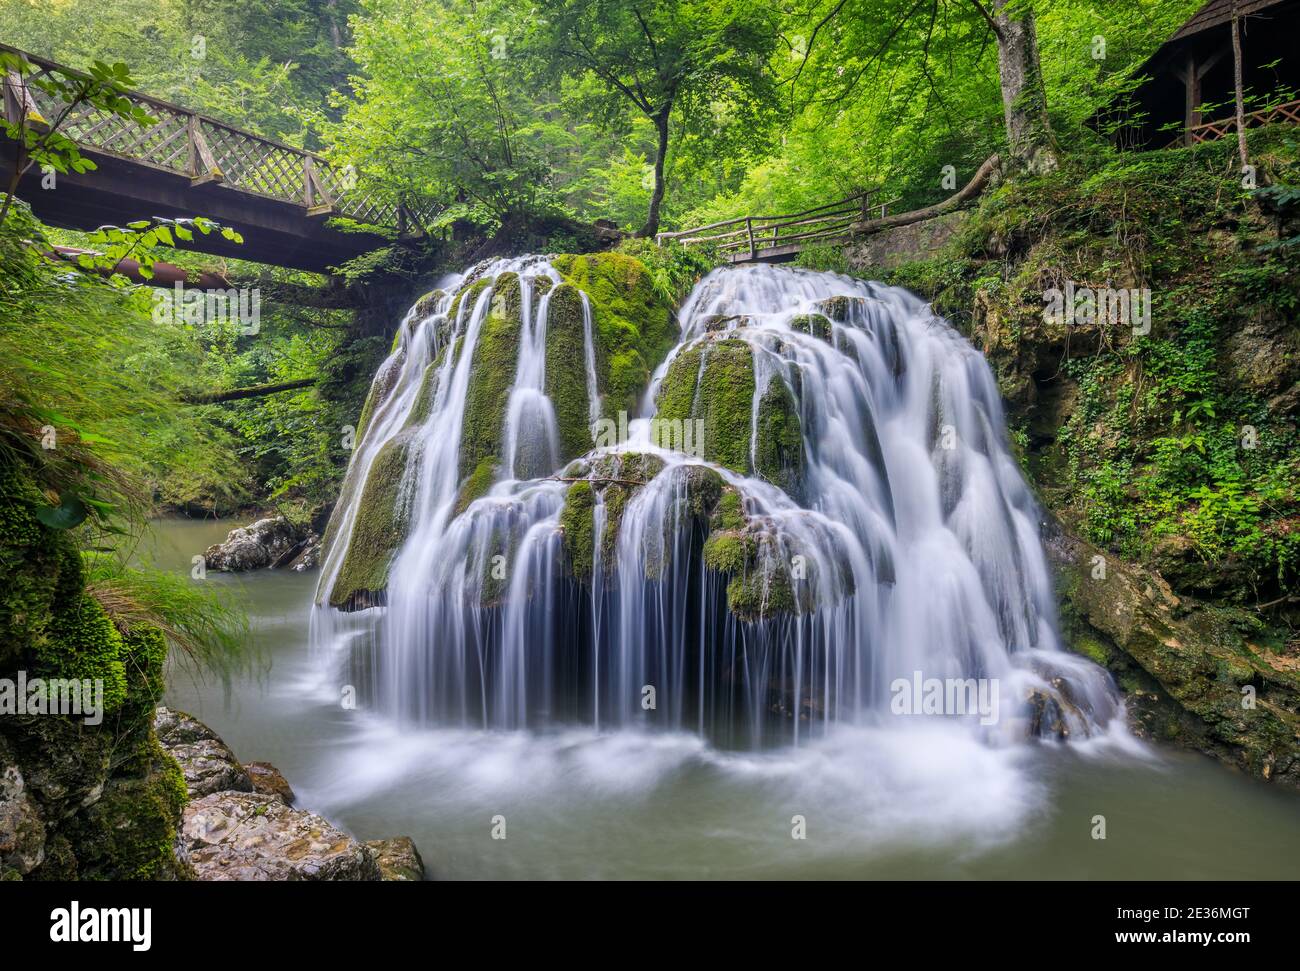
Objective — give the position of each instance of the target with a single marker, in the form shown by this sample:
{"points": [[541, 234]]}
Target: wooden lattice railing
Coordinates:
{"points": [[1213, 130], [205, 150], [749, 237]]}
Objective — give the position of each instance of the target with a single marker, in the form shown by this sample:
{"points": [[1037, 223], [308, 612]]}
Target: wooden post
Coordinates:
{"points": [[1191, 75], [203, 167], [749, 228], [318, 201]]}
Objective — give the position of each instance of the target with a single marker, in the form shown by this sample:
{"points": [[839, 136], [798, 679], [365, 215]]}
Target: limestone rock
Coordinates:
{"points": [[206, 761], [270, 781], [253, 836], [1192, 674], [22, 831], [253, 547], [398, 858]]}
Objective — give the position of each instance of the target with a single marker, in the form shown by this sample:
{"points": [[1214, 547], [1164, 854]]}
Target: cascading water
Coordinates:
{"points": [[899, 546]]}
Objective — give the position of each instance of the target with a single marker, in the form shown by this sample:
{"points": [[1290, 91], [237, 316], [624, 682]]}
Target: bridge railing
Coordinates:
{"points": [[747, 237], [190, 144]]}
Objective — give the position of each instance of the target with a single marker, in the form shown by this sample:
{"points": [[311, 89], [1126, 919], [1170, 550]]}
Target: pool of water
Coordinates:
{"points": [[922, 803]]}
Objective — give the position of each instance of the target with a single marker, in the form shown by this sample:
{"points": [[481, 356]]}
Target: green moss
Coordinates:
{"points": [[577, 521], [470, 294], [84, 644], [633, 325], [818, 325], [428, 390], [129, 833], [477, 484], [779, 453], [38, 566], [144, 654], [730, 510], [492, 372], [756, 594], [728, 552], [714, 381], [566, 372], [380, 527]]}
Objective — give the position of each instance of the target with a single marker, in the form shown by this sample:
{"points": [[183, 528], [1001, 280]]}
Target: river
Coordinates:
{"points": [[580, 804]]}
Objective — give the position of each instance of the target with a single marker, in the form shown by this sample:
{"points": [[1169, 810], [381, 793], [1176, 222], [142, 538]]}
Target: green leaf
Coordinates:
{"points": [[69, 513]]}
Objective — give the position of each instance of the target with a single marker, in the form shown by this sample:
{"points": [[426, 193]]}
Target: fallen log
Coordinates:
{"points": [[968, 192], [238, 394]]}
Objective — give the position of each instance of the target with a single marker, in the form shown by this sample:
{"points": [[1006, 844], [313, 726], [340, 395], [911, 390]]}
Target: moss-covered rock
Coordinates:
{"points": [[577, 521], [613, 479], [778, 446], [426, 394], [1200, 676], [633, 326], [129, 833], [817, 325], [77, 799], [713, 381], [428, 304], [566, 371], [379, 530], [468, 296], [84, 644], [492, 372], [838, 308]]}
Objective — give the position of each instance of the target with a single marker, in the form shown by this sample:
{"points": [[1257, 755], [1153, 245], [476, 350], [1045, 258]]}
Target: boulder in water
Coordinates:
{"points": [[253, 547]]}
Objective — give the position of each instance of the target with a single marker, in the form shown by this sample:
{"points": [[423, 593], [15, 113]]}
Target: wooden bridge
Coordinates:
{"points": [[184, 164], [778, 239]]}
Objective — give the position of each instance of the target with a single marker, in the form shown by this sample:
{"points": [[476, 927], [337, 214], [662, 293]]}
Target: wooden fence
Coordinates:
{"points": [[758, 237]]}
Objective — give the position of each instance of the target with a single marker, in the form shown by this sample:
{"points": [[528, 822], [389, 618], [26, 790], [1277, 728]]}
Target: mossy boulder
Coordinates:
{"points": [[577, 522], [778, 445], [713, 381], [38, 566], [129, 833], [492, 372], [379, 530], [95, 801], [633, 325], [566, 371], [817, 325], [468, 296], [613, 479], [1204, 677]]}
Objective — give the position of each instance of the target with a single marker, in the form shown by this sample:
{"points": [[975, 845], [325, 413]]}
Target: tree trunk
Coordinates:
{"points": [[1237, 85], [657, 197], [1024, 97]]}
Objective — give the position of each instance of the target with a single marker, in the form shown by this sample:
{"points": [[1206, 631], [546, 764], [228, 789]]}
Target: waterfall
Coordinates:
{"points": [[893, 546]]}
